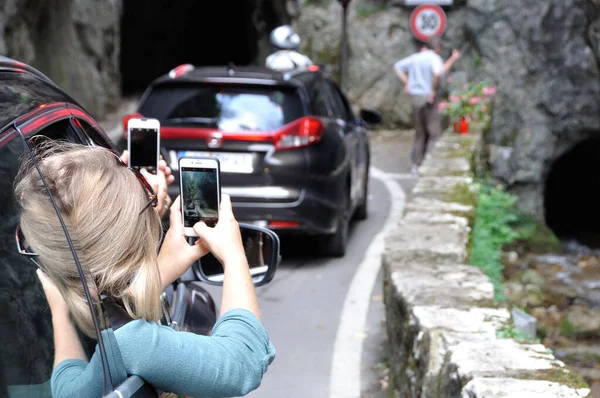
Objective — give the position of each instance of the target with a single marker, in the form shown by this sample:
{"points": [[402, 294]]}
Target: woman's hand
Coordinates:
{"points": [[225, 242], [225, 239], [56, 302], [158, 182], [176, 254]]}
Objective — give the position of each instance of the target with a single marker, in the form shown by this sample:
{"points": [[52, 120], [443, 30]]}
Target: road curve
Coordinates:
{"points": [[315, 309]]}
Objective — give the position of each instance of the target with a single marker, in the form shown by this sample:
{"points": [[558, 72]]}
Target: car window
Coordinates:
{"points": [[26, 347], [321, 100], [61, 130], [228, 107], [342, 106], [91, 134]]}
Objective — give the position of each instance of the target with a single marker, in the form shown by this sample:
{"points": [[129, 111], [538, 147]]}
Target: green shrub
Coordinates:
{"points": [[535, 236], [495, 217]]}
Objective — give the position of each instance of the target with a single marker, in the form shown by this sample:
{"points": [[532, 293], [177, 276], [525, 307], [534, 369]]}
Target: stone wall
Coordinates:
{"points": [[441, 317], [74, 42]]}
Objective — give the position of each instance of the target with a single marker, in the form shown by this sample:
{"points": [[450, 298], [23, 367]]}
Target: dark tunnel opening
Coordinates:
{"points": [[571, 194], [158, 35]]}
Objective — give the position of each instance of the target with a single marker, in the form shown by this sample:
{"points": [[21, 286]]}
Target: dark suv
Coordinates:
{"points": [[294, 157]]}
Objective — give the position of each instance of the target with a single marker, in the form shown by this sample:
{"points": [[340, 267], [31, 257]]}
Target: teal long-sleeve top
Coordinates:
{"points": [[228, 363]]}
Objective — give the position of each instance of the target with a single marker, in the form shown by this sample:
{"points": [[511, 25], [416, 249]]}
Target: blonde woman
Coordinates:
{"points": [[117, 232]]}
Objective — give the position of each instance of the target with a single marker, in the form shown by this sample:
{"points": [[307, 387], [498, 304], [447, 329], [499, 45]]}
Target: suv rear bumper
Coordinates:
{"points": [[282, 209]]}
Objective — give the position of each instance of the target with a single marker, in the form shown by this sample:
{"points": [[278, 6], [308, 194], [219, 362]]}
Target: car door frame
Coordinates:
{"points": [[38, 120], [347, 122]]}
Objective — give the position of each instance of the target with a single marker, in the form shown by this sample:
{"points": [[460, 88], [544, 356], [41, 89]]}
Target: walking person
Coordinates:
{"points": [[421, 74]]}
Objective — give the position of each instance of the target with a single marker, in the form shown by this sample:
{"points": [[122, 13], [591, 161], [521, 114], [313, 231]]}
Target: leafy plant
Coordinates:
{"points": [[508, 331], [495, 216]]}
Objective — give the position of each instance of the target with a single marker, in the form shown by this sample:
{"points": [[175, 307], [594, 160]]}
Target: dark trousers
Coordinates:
{"points": [[428, 126]]}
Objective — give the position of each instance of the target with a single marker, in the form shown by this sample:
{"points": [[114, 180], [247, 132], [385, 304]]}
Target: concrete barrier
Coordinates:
{"points": [[441, 316]]}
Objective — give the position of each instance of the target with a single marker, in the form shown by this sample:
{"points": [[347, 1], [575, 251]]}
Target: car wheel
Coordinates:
{"points": [[362, 210], [334, 245]]}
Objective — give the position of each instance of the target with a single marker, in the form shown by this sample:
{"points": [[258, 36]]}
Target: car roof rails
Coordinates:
{"points": [[231, 69]]}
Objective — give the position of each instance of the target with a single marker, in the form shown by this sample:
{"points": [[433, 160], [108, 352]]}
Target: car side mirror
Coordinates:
{"points": [[262, 251], [370, 117]]}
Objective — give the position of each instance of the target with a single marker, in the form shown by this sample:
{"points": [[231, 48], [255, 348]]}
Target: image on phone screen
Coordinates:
{"points": [[143, 149], [200, 195]]}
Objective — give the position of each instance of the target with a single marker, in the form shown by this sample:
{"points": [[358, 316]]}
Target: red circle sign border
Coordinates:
{"points": [[413, 20]]}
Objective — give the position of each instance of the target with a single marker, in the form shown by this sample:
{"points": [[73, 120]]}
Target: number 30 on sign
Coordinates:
{"points": [[427, 20]]}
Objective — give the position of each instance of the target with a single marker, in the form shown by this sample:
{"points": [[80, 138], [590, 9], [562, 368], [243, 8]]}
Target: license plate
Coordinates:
{"points": [[231, 162]]}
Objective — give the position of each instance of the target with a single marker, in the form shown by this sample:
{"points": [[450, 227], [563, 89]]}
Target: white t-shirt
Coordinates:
{"points": [[420, 68], [284, 60]]}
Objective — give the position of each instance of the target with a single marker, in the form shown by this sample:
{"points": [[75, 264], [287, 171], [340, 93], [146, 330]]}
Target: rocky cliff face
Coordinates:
{"points": [[544, 57], [74, 42], [542, 54]]}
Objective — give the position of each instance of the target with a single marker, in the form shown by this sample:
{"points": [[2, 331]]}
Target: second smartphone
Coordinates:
{"points": [[200, 186], [143, 144]]}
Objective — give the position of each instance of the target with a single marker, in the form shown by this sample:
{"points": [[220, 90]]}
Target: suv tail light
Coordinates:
{"points": [[126, 120], [302, 132]]}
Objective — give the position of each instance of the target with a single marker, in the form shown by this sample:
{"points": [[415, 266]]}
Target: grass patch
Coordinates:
{"points": [[508, 331], [566, 328], [498, 225], [535, 236]]}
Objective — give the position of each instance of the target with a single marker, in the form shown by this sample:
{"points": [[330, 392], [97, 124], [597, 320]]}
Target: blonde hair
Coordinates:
{"points": [[99, 200]]}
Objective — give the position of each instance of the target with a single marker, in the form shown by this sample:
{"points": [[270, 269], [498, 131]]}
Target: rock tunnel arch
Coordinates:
{"points": [[158, 35], [572, 194]]}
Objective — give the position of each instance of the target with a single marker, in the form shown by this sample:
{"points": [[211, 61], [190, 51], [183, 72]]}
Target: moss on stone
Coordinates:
{"points": [[393, 28], [558, 375], [331, 57], [463, 193], [364, 11]]}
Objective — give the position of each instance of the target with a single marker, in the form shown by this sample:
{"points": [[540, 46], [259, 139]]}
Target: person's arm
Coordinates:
{"points": [[228, 363], [225, 242], [66, 340], [401, 68], [451, 61]]}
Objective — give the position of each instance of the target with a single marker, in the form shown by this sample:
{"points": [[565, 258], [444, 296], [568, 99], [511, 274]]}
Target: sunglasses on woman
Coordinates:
{"points": [[145, 184], [22, 246]]}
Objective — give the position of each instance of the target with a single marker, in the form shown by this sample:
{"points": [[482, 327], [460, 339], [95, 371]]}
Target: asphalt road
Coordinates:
{"points": [[303, 304], [301, 310]]}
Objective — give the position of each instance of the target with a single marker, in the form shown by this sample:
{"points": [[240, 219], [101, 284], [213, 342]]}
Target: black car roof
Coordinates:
{"points": [[255, 74], [24, 88]]}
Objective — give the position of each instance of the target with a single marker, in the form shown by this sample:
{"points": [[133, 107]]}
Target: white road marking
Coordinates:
{"points": [[347, 352]]}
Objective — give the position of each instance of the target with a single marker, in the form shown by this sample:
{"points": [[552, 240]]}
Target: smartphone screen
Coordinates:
{"points": [[199, 195], [143, 148]]}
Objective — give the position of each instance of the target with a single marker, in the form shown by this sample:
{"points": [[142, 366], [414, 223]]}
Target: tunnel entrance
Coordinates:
{"points": [[158, 35], [572, 203]]}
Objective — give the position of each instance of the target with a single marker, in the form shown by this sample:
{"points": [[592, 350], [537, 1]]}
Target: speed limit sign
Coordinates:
{"points": [[427, 20]]}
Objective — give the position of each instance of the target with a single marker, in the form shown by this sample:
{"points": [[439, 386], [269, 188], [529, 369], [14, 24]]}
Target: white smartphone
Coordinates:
{"points": [[200, 189], [143, 144]]}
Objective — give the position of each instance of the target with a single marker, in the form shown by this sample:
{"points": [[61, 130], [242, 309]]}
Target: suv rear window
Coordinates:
{"points": [[227, 107]]}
